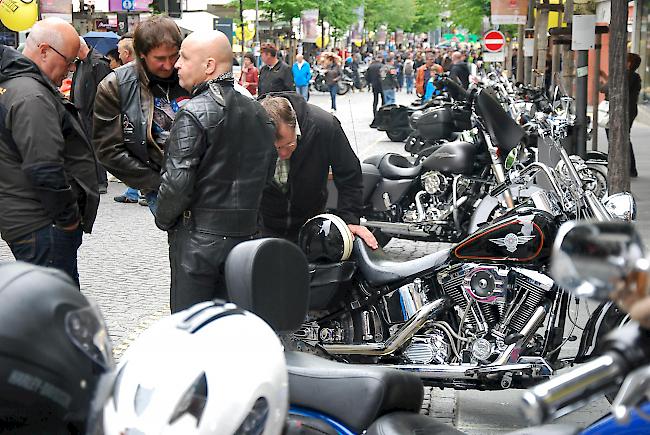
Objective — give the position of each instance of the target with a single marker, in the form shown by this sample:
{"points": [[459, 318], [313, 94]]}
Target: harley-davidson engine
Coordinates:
{"points": [[435, 201], [493, 304]]}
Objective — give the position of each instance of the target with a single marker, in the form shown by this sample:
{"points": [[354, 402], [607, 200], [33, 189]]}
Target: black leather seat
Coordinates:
{"points": [[356, 396], [270, 277], [401, 423], [396, 167], [378, 269]]}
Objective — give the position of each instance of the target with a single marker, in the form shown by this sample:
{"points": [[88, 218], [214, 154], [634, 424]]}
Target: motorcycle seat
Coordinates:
{"points": [[396, 167], [379, 269], [354, 395], [400, 423]]}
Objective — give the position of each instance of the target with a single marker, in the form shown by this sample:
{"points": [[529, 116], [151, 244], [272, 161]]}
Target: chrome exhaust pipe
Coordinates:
{"points": [[397, 340]]}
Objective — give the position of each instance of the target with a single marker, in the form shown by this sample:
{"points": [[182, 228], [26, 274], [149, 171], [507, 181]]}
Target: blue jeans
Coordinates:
{"points": [[389, 96], [152, 200], [409, 84], [131, 193], [50, 246], [333, 89], [304, 91]]}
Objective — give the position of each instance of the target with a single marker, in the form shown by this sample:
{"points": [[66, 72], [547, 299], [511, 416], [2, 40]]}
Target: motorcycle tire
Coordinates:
{"points": [[342, 88], [397, 135]]}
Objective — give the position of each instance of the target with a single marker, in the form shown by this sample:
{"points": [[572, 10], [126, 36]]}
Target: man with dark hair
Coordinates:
{"points": [[136, 105], [309, 141], [275, 75], [218, 160], [91, 69], [48, 173], [373, 77]]}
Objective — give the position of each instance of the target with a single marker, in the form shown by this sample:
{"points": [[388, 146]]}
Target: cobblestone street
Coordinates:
{"points": [[124, 266]]}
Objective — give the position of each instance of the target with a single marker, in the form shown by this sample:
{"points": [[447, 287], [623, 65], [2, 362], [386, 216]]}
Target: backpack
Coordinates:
{"points": [[408, 68]]}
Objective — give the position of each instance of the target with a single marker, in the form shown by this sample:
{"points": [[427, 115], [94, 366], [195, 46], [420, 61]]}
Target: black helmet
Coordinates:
{"points": [[53, 349], [326, 238]]}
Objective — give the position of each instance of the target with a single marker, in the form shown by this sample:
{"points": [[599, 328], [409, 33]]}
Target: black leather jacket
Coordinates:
{"points": [[218, 159]]}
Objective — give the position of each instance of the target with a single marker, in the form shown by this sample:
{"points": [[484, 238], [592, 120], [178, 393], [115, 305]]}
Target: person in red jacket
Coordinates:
{"points": [[249, 74]]}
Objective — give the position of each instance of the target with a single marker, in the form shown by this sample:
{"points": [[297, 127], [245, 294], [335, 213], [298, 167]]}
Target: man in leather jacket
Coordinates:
{"points": [[48, 172], [218, 159], [309, 141], [135, 106]]}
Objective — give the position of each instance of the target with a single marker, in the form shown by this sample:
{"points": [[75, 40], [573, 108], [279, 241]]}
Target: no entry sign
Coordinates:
{"points": [[494, 41]]}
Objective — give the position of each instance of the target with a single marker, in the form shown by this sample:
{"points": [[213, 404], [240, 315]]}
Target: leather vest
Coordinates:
{"points": [[134, 120]]}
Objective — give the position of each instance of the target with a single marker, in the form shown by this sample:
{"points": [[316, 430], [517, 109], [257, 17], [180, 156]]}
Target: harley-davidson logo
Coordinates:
{"points": [[512, 241]]}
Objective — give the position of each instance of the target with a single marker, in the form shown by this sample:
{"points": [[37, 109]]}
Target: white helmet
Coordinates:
{"points": [[211, 369]]}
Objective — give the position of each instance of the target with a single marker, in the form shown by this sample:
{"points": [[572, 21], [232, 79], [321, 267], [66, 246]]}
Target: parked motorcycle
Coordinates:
{"points": [[598, 261], [483, 314], [435, 199], [318, 82]]}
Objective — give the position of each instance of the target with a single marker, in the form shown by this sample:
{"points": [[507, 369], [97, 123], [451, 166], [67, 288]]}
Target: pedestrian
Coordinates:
{"points": [[633, 89], [423, 73], [459, 70], [409, 76], [249, 77], [418, 62], [275, 75], [332, 78], [113, 57], [389, 81], [399, 65], [354, 66], [136, 105], [127, 54], [309, 141], [48, 171], [373, 77], [125, 48], [301, 76], [218, 159], [91, 69]]}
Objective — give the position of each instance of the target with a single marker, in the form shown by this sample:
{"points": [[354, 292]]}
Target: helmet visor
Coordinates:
{"points": [[86, 329]]}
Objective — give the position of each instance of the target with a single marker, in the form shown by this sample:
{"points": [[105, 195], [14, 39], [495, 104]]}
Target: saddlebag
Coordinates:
{"points": [[326, 280]]}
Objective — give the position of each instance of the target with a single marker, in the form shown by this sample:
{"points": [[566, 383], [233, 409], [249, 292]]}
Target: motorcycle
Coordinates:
{"points": [[434, 200], [318, 82], [598, 261], [483, 314]]}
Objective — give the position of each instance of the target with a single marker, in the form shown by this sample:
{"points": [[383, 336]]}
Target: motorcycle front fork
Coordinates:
{"points": [[499, 174]]}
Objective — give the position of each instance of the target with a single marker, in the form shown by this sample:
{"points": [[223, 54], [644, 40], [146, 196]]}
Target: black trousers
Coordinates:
{"points": [[375, 99], [633, 170], [197, 262]]}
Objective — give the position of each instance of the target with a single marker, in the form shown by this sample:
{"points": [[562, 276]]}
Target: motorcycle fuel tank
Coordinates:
{"points": [[524, 237], [452, 157]]}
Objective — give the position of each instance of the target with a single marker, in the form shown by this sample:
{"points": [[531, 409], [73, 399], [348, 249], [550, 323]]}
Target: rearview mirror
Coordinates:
{"points": [[621, 205], [596, 259]]}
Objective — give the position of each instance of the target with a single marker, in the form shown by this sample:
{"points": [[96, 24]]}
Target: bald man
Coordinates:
{"points": [[48, 176], [217, 162]]}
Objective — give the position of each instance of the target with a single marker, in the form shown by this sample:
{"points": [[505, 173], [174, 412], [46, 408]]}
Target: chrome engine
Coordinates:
{"points": [[436, 201], [494, 304]]}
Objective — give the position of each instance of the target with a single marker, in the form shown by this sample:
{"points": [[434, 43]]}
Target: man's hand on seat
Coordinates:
{"points": [[365, 235]]}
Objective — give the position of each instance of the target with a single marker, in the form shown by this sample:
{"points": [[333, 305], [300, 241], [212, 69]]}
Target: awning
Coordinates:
{"points": [[196, 21]]}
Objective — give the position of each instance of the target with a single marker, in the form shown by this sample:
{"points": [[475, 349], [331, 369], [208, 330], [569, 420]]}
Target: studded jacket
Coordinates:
{"points": [[218, 159]]}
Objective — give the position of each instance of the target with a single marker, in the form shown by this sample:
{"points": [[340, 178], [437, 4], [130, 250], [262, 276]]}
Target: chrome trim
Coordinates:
{"points": [[397, 340]]}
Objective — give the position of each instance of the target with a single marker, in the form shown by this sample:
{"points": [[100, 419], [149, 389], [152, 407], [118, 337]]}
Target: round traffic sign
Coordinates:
{"points": [[494, 41]]}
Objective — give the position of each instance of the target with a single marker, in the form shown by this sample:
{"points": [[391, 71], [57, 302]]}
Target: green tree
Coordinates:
{"points": [[469, 14]]}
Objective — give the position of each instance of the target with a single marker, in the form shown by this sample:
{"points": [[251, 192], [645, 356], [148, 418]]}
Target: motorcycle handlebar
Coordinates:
{"points": [[568, 391]]}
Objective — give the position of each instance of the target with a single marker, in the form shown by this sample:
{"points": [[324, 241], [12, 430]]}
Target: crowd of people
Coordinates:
{"points": [[214, 165]]}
